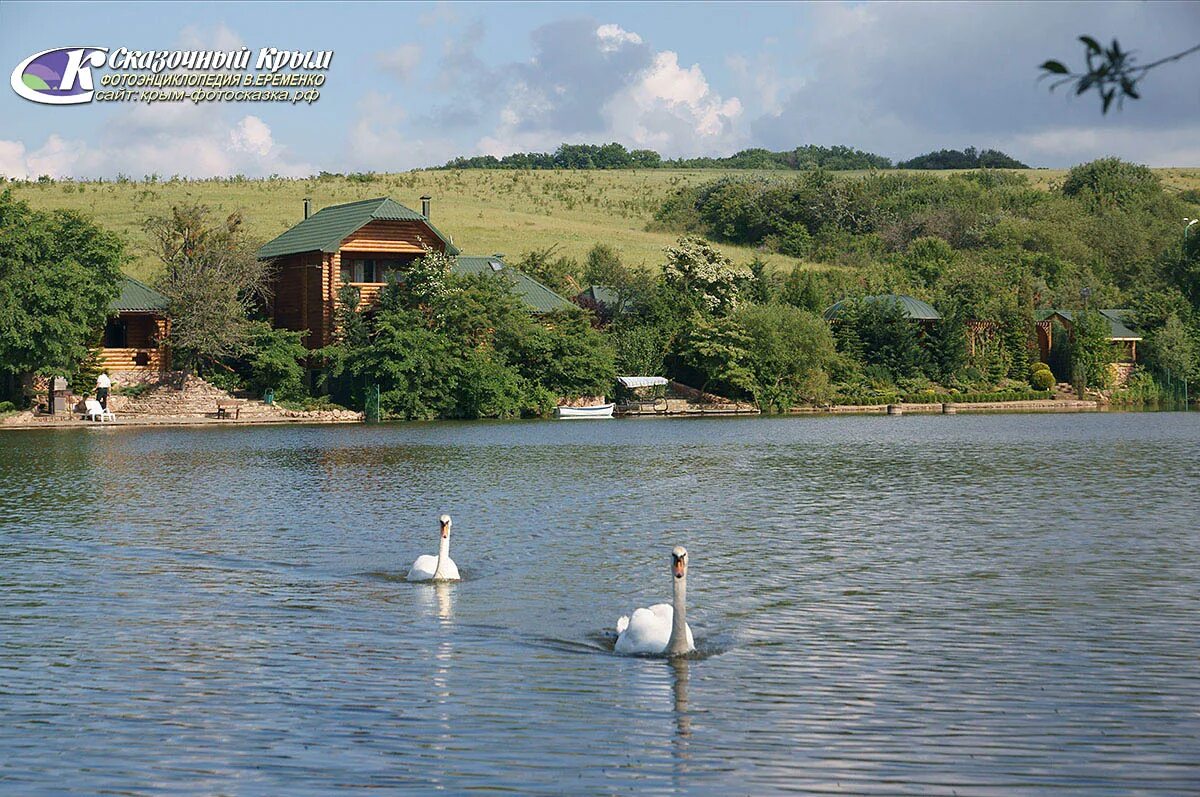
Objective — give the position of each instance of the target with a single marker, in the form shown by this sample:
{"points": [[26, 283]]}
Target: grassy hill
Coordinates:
{"points": [[485, 211]]}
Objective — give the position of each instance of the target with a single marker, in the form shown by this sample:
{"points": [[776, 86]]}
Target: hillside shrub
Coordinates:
{"points": [[1042, 380]]}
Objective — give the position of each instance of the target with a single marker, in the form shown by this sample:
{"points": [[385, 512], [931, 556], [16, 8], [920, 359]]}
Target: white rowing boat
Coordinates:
{"points": [[602, 411]]}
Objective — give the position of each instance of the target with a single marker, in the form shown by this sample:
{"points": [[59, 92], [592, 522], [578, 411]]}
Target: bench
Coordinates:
{"points": [[225, 405]]}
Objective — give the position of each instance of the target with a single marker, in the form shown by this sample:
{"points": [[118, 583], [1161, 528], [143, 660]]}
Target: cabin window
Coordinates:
{"points": [[358, 271]]}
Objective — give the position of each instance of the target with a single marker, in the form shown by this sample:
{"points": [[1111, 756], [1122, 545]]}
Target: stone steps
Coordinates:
{"points": [[187, 395]]}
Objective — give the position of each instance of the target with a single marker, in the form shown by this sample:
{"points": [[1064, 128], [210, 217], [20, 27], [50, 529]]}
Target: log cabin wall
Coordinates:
{"points": [[300, 296], [307, 284], [384, 236], [379, 240]]}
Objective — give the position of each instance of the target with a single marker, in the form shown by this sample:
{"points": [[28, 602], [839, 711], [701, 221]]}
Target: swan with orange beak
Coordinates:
{"points": [[440, 567], [661, 629]]}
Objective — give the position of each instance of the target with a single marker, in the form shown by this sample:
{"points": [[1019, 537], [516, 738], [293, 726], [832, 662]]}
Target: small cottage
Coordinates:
{"points": [[1123, 339], [134, 330], [361, 244]]}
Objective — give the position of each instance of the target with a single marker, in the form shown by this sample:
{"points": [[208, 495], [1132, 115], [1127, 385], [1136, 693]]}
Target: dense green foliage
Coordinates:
{"points": [[1091, 351], [984, 247], [58, 274], [468, 349], [271, 361], [615, 156], [970, 158], [803, 158]]}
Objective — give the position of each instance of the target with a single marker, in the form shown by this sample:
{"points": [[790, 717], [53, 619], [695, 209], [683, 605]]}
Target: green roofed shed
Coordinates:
{"points": [[325, 230], [1117, 319], [137, 297], [536, 296], [914, 309]]}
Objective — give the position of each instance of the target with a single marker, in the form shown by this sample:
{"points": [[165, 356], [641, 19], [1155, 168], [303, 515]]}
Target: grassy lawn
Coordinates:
{"points": [[484, 211]]}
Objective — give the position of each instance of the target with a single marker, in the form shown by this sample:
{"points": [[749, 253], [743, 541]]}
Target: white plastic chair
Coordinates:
{"points": [[93, 410]]}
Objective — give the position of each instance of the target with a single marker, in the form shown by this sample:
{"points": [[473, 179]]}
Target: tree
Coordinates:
{"points": [[559, 274], [58, 274], [717, 351], [413, 366], [947, 345], [1173, 348], [1109, 183], [789, 351], [880, 333], [1091, 350], [760, 286], [212, 280], [562, 354], [271, 360], [422, 282], [603, 266], [801, 289], [927, 258], [1112, 72], [697, 271], [639, 349]]}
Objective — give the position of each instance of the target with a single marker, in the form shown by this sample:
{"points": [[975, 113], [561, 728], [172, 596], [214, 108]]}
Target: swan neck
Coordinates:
{"points": [[678, 642], [443, 555]]}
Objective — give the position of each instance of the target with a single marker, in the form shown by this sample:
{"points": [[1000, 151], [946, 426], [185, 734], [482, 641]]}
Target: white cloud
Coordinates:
{"points": [[673, 110], [590, 82], [401, 62], [252, 135], [179, 139], [613, 36]]}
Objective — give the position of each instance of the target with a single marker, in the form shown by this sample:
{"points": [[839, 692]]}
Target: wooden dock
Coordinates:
{"points": [[674, 407]]}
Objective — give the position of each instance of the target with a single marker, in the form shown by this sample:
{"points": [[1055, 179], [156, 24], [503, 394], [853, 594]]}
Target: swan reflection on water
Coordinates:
{"points": [[679, 690]]}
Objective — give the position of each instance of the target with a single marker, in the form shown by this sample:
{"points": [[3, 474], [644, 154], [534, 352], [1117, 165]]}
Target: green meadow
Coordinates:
{"points": [[485, 211]]}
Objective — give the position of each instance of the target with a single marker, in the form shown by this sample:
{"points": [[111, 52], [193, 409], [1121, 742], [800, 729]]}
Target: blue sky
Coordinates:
{"points": [[414, 84]]}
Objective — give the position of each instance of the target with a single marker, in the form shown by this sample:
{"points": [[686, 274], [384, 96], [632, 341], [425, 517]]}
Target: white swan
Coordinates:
{"points": [[436, 568], [662, 628]]}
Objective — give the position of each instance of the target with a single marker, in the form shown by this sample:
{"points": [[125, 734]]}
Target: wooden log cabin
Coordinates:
{"points": [[136, 324], [360, 244]]}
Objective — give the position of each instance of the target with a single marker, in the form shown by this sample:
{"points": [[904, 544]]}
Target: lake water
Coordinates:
{"points": [[971, 604]]}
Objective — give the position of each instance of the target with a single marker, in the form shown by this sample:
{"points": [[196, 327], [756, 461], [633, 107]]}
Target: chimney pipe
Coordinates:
{"points": [[425, 205], [307, 207]]}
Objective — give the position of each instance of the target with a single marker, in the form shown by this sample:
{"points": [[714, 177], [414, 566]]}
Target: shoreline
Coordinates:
{"points": [[176, 422], [171, 422], [1038, 405]]}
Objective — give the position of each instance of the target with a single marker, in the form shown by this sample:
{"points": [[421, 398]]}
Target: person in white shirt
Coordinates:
{"points": [[103, 383]]}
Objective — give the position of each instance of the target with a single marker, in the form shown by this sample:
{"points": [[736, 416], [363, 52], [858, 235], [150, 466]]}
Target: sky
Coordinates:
{"points": [[415, 84]]}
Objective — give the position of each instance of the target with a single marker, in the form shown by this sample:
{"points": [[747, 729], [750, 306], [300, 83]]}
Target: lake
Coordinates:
{"points": [[970, 604]]}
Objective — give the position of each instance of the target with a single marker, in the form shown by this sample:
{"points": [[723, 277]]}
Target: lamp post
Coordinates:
{"points": [[1085, 294]]}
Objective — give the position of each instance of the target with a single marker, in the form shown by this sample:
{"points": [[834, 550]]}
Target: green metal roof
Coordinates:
{"points": [[603, 294], [1117, 319], [914, 309], [325, 230], [536, 296], [137, 297]]}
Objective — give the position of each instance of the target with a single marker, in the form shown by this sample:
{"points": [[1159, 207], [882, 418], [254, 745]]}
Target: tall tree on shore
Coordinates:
{"points": [[58, 273], [212, 279]]}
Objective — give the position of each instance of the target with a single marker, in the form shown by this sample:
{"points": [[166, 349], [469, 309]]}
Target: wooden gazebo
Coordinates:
{"points": [[136, 325]]}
